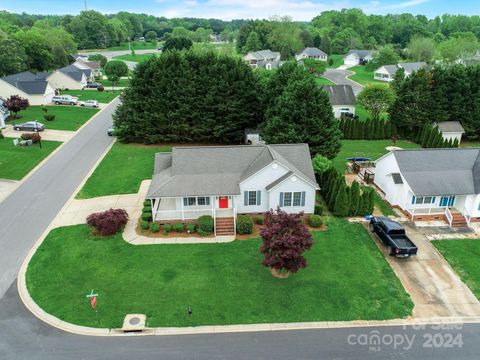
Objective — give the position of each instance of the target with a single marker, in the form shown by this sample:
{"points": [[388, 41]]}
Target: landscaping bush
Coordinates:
{"points": [[244, 224], [259, 220], [179, 227], [147, 208], [108, 222], [100, 88], [190, 228], [147, 216], [49, 117], [147, 203], [315, 221], [35, 137], [318, 210], [167, 228], [205, 225], [144, 225], [155, 227]]}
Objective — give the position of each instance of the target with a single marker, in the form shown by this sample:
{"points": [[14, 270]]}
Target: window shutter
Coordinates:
{"points": [[245, 198], [433, 200], [207, 200], [303, 198], [185, 201], [259, 197], [281, 199], [413, 199]]}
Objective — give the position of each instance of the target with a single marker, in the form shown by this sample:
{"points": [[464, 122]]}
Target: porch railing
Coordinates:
{"points": [[467, 215], [449, 216], [182, 214]]}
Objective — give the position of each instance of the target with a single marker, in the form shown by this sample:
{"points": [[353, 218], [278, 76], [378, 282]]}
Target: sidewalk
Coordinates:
{"points": [[47, 134]]}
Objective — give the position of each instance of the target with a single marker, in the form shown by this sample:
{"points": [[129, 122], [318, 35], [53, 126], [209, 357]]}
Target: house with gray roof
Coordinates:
{"points": [[266, 59], [387, 72], [358, 57], [432, 184], [223, 181], [451, 130], [34, 87], [92, 68], [69, 78], [342, 99], [311, 53]]}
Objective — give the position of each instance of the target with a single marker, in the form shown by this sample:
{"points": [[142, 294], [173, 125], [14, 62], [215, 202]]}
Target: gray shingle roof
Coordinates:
{"points": [[362, 54], [450, 126], [73, 72], [262, 55], [218, 170], [391, 69], [27, 82], [414, 66], [312, 51], [441, 171], [340, 94]]}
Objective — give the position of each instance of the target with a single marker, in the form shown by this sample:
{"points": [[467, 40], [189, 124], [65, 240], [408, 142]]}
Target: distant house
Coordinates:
{"points": [[69, 77], [223, 181], [432, 184], [311, 53], [451, 130], [252, 137], [34, 87], [342, 99], [92, 68], [358, 57], [266, 59], [4, 113], [387, 72]]}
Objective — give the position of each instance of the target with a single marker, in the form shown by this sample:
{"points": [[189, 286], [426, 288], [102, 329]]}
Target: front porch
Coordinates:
{"points": [[453, 216]]}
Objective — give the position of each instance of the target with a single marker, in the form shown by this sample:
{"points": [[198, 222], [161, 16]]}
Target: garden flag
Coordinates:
{"points": [[94, 302]]}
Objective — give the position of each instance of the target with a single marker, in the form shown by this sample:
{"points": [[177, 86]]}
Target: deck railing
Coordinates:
{"points": [[449, 216], [467, 215]]}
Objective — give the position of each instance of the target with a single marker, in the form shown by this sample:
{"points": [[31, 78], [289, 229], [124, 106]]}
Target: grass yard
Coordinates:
{"points": [[66, 117], [134, 45], [383, 206], [121, 83], [463, 255], [364, 77], [224, 283], [323, 81], [101, 96], [337, 60], [134, 58], [122, 170], [364, 115], [18, 161]]}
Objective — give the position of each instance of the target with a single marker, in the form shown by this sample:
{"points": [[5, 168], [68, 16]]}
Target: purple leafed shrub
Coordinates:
{"points": [[108, 222], [285, 239]]}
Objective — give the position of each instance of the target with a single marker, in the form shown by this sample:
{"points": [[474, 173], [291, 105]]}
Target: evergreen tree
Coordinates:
{"points": [[355, 130], [340, 207], [421, 134], [456, 143], [388, 129], [371, 201], [438, 140], [381, 129], [360, 211], [450, 143], [348, 129], [432, 138], [368, 129], [426, 136], [335, 189], [354, 198]]}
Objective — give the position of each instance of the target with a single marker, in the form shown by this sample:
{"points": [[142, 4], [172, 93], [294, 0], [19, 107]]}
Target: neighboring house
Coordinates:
{"points": [[4, 113], [223, 181], [387, 72], [311, 53], [358, 57], [432, 184], [69, 77], [92, 68], [33, 87], [451, 130], [342, 99], [252, 137], [263, 58]]}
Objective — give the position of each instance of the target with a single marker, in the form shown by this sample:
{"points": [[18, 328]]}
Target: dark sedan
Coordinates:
{"points": [[93, 85], [29, 126]]}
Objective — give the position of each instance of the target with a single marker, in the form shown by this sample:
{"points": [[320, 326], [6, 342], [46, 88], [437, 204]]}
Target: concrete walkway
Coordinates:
{"points": [[47, 134], [6, 187]]}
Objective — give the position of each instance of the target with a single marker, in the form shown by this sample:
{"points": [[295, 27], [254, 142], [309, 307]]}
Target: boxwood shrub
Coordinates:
{"points": [[179, 227], [318, 210], [191, 228], [205, 225], [147, 203], [315, 221], [244, 224], [155, 227], [147, 216], [144, 225], [167, 228], [259, 220]]}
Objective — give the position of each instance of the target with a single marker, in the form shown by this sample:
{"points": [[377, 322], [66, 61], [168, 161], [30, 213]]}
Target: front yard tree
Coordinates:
{"points": [[15, 104], [285, 239], [376, 99], [151, 36], [115, 70], [177, 43], [303, 114]]}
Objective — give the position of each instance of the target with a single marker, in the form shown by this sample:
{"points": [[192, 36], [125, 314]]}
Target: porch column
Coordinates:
{"points": [[183, 211]]}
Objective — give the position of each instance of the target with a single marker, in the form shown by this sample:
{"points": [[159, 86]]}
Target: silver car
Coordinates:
{"points": [[89, 103], [29, 126]]}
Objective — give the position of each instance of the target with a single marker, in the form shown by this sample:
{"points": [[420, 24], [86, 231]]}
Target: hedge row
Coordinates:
{"points": [[366, 130]]}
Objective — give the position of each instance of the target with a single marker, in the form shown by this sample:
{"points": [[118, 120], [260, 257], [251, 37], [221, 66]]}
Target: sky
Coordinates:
{"points": [[243, 9]]}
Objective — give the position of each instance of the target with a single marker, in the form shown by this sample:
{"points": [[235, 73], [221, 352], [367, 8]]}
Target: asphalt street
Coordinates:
{"points": [[339, 77]]}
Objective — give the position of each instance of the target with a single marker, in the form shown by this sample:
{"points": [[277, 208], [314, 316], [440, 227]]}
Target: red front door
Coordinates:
{"points": [[223, 202]]}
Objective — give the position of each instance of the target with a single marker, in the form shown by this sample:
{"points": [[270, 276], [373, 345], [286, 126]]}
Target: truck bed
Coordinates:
{"points": [[402, 241]]}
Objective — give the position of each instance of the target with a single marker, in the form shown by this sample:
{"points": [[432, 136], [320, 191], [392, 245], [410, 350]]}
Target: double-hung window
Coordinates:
{"points": [[252, 198], [418, 200], [202, 200], [287, 199], [192, 201], [296, 198]]}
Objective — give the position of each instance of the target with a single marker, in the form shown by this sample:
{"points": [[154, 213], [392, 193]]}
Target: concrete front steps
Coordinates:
{"points": [[224, 226]]}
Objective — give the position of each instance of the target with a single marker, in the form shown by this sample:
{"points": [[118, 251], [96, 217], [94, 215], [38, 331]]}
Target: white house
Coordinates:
{"points": [[432, 184], [69, 77], [342, 99], [387, 72], [311, 53], [223, 181], [4, 113], [358, 57], [263, 58], [93, 68], [451, 130], [33, 87]]}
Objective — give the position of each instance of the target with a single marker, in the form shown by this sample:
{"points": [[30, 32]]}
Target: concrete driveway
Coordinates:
{"points": [[47, 134], [6, 187], [110, 54], [339, 77], [435, 288]]}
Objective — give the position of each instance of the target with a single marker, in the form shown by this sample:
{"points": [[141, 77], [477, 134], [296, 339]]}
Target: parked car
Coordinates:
{"points": [[348, 115], [89, 103], [393, 235], [93, 85], [29, 126], [65, 100], [110, 131]]}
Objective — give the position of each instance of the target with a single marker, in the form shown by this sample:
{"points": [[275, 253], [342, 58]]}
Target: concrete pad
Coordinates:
{"points": [[47, 134]]}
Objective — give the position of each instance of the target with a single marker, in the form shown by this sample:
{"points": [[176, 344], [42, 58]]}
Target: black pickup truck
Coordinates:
{"points": [[393, 235]]}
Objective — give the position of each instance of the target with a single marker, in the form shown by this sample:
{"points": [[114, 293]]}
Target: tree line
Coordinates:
{"points": [[377, 129]]}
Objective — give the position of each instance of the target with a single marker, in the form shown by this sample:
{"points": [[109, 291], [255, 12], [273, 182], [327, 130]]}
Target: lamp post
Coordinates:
{"points": [[36, 131]]}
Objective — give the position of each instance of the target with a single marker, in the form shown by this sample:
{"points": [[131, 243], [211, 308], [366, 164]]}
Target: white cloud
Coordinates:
{"points": [[406, 4]]}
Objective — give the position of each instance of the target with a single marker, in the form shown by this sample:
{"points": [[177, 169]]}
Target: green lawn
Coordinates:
{"points": [[122, 170], [134, 58], [18, 161], [134, 45], [366, 148], [382, 205], [101, 96], [323, 81], [364, 115], [66, 117], [364, 77], [121, 83], [223, 283], [337, 60], [463, 255]]}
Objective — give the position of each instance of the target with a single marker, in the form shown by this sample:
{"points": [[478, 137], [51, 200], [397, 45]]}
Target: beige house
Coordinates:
{"points": [[33, 87], [92, 68], [69, 77]]}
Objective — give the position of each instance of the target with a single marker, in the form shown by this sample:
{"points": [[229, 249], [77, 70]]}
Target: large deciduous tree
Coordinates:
{"points": [[15, 104], [177, 43], [12, 57], [376, 99], [285, 239]]}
